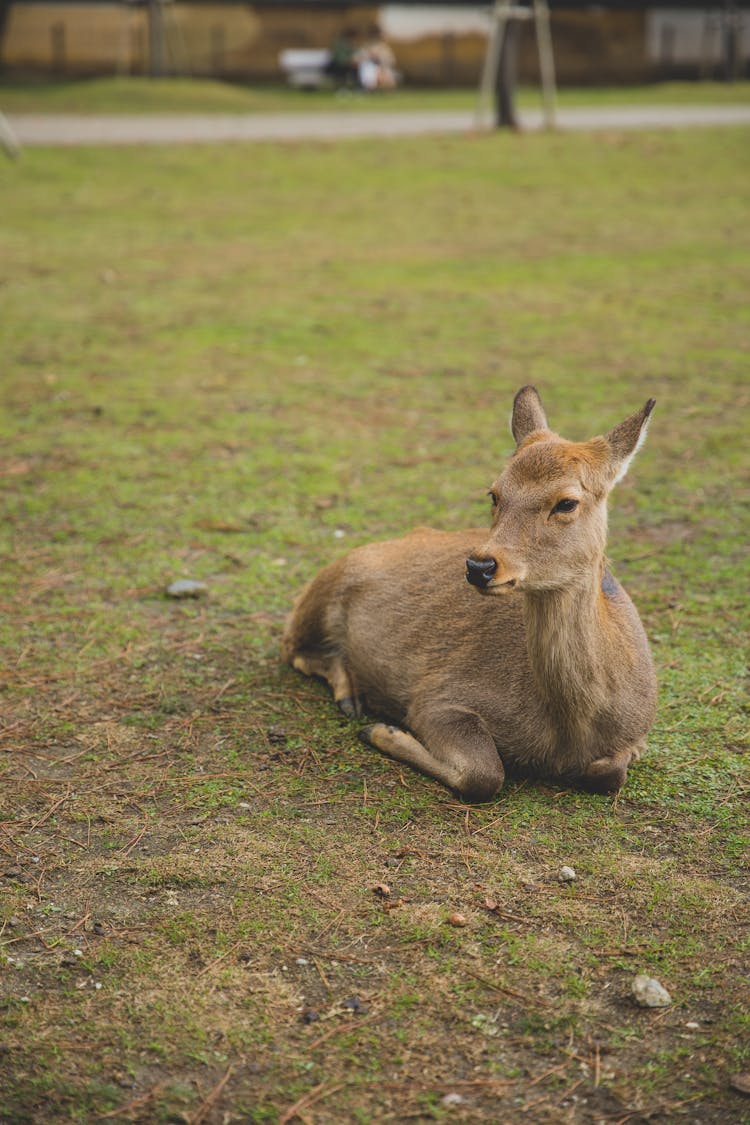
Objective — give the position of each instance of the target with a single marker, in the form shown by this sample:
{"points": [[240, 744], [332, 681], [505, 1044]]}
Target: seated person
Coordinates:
{"points": [[342, 65], [377, 64]]}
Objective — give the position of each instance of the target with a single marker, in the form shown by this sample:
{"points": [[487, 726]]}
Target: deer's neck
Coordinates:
{"points": [[571, 638]]}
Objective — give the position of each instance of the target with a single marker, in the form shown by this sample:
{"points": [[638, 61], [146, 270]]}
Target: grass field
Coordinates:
{"points": [[179, 95], [231, 367]]}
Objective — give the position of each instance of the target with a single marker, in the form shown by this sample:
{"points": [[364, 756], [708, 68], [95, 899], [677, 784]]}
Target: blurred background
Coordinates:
{"points": [[435, 44]]}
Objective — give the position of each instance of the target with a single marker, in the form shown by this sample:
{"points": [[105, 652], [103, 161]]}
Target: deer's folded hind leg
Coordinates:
{"points": [[334, 671], [454, 746], [608, 775]]}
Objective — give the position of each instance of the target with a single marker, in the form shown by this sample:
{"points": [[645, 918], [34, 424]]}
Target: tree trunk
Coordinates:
{"points": [[507, 77]]}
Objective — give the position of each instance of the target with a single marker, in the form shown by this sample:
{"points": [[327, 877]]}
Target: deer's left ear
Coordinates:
{"points": [[625, 440], [528, 414]]}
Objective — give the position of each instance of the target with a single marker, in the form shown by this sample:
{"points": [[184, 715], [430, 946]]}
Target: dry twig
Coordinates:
{"points": [[508, 991], [212, 964], [200, 1114], [322, 1090], [136, 1103]]}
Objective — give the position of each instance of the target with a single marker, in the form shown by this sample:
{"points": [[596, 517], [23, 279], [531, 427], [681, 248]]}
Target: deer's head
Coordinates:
{"points": [[549, 506]]}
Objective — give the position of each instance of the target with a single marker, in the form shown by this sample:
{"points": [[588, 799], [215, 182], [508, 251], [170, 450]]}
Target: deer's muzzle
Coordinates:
{"points": [[494, 575], [479, 572]]}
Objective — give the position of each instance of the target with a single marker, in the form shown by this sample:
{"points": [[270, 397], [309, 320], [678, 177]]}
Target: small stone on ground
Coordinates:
{"points": [[186, 588], [649, 993]]}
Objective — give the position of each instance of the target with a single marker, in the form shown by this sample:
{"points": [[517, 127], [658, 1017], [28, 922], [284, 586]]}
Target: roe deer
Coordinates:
{"points": [[539, 664]]}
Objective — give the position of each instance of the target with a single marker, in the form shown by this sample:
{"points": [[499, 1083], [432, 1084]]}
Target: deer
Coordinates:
{"points": [[484, 652]]}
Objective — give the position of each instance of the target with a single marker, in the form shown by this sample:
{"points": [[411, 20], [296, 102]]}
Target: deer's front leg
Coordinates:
{"points": [[453, 745]]}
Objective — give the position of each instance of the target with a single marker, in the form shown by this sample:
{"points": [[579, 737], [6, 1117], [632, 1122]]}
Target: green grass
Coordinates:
{"points": [[233, 369], [182, 95]]}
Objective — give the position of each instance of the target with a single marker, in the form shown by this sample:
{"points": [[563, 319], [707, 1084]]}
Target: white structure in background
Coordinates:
{"points": [[399, 23], [686, 36]]}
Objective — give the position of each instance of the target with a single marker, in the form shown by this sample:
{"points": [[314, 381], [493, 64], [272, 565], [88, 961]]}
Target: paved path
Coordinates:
{"points": [[128, 129]]}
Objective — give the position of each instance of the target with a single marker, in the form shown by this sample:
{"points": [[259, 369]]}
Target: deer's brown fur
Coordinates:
{"points": [[541, 666]]}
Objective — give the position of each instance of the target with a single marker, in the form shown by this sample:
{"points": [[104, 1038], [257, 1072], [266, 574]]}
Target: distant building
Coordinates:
{"points": [[439, 44]]}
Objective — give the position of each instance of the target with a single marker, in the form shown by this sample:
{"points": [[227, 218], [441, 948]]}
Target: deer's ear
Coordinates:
{"points": [[625, 440], [528, 414]]}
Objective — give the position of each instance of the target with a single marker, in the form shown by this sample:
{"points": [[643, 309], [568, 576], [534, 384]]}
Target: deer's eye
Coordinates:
{"points": [[565, 506], [494, 500]]}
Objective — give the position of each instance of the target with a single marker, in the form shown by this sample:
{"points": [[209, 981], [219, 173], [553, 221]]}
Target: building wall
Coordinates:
{"points": [[594, 46], [84, 39], [678, 38], [229, 40]]}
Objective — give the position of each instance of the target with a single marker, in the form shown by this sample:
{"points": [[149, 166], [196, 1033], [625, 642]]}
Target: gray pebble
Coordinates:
{"points": [[649, 993], [186, 588]]}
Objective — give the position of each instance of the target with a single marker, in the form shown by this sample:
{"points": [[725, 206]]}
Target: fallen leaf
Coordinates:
{"points": [[15, 468], [217, 525]]}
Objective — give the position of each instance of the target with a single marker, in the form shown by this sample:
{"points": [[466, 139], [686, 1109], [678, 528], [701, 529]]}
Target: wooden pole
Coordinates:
{"points": [[546, 60], [8, 139], [500, 70], [491, 66]]}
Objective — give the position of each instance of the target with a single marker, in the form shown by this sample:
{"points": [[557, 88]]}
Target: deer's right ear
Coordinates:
{"points": [[528, 414], [625, 440]]}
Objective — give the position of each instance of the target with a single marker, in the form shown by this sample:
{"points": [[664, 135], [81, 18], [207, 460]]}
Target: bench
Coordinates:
{"points": [[305, 68]]}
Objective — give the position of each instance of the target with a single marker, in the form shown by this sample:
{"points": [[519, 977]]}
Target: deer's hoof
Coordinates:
{"points": [[350, 706], [380, 736]]}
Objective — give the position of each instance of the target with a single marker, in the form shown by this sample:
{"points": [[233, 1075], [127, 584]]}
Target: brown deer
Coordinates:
{"points": [[539, 663]]}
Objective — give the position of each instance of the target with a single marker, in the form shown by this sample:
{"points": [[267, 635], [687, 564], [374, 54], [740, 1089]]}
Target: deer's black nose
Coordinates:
{"points": [[479, 572]]}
